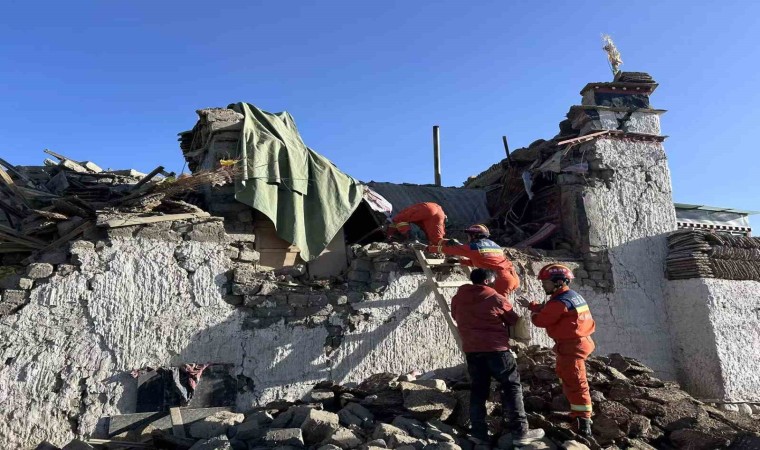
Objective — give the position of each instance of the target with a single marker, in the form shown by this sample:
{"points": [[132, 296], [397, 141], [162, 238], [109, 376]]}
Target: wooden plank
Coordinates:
{"points": [[159, 420], [24, 242], [435, 261], [147, 178], [57, 155], [68, 163], [7, 207], [178, 427], [442, 303], [71, 209], [116, 223], [451, 284], [16, 234], [12, 170], [114, 443], [583, 138], [12, 248], [8, 181], [62, 240], [35, 193]]}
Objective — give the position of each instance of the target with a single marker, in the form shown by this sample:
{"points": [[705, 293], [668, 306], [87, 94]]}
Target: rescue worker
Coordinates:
{"points": [[482, 316], [428, 216], [568, 322], [484, 253]]}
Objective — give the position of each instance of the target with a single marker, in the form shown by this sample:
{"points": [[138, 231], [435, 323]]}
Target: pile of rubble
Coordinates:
{"points": [[633, 410], [46, 206]]}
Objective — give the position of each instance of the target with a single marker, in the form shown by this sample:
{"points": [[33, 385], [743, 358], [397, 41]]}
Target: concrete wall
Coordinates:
{"points": [[136, 302], [715, 329]]}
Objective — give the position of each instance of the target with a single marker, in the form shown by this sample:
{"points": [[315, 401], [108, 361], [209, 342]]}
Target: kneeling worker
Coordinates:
{"points": [[428, 216], [482, 316], [568, 321]]}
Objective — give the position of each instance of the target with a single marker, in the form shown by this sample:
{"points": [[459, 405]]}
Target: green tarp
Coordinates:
{"points": [[306, 197]]}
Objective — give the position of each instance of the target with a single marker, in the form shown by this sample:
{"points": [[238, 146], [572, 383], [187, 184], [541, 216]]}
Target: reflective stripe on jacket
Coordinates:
{"points": [[565, 316]]}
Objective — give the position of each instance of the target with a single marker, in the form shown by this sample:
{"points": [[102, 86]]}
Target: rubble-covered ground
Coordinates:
{"points": [[633, 410]]}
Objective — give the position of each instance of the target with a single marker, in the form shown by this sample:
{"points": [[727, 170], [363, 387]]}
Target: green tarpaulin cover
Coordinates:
{"points": [[306, 197]]}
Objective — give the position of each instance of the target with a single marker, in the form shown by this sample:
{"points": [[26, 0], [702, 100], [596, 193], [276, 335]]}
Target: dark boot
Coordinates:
{"points": [[526, 436], [583, 426]]}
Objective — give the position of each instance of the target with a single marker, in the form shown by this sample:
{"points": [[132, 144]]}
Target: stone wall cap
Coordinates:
{"points": [[622, 88]]}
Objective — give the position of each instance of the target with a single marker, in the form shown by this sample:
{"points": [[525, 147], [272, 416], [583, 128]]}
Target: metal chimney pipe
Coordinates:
{"points": [[437, 154]]}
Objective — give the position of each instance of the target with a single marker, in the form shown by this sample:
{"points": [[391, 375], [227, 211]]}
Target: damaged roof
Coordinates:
{"points": [[463, 206]]}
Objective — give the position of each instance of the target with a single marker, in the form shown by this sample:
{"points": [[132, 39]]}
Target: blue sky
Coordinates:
{"points": [[114, 81]]}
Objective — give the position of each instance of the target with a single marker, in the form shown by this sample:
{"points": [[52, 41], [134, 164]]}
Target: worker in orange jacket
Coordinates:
{"points": [[568, 321], [428, 216], [484, 253]]}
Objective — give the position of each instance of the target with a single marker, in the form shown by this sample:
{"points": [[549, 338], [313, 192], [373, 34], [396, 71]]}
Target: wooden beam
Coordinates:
{"points": [[584, 138], [435, 261], [178, 426], [147, 178], [440, 299], [12, 170], [62, 240], [57, 155], [16, 234], [68, 163], [70, 208], [16, 240], [116, 223], [7, 207], [8, 181], [451, 284], [114, 443]]}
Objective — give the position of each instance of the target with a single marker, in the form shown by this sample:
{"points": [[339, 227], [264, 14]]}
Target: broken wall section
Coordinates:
{"points": [[168, 294]]}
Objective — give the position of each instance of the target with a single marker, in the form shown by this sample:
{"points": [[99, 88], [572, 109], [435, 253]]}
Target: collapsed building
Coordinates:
{"points": [[262, 273]]}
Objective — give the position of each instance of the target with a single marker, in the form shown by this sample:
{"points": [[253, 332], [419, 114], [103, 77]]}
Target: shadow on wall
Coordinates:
{"points": [[285, 359], [633, 318]]}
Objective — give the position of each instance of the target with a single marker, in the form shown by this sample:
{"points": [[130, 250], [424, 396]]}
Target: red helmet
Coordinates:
{"points": [[555, 272], [478, 229]]}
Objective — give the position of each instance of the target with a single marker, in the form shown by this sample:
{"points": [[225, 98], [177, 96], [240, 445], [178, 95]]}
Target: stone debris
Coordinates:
{"points": [[632, 410]]}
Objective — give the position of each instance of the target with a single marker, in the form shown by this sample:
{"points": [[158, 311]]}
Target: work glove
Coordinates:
{"points": [[522, 301]]}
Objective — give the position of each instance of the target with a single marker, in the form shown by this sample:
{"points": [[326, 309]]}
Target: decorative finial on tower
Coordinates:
{"points": [[613, 55]]}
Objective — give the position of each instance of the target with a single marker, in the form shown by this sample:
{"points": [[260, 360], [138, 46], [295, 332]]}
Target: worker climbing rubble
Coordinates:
{"points": [[568, 321], [484, 253], [482, 316], [428, 216]]}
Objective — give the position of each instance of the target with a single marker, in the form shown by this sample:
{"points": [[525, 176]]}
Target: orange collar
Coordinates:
{"points": [[561, 290]]}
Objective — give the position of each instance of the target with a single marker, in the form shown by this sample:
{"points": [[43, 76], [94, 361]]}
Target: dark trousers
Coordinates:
{"points": [[502, 367]]}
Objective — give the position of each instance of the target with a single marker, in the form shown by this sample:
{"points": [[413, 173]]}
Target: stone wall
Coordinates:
{"points": [[169, 294], [622, 211], [716, 338]]}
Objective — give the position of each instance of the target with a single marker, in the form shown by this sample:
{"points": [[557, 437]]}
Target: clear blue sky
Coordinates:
{"points": [[114, 81]]}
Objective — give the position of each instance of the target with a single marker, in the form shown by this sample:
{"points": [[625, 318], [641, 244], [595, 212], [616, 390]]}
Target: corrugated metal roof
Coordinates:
{"points": [[463, 206], [686, 206]]}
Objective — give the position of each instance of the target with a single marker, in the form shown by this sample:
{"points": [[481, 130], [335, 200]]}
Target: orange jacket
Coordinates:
{"points": [[487, 254], [565, 316], [482, 253], [428, 216]]}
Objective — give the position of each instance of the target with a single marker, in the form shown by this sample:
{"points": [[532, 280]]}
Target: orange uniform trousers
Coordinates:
{"points": [[571, 370], [428, 216]]}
